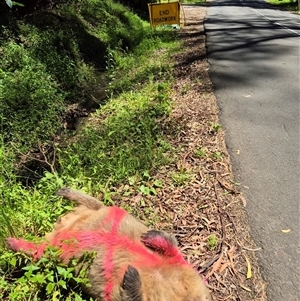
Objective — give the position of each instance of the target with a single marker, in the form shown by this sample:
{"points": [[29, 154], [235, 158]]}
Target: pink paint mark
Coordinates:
{"points": [[161, 245], [36, 250], [115, 216]]}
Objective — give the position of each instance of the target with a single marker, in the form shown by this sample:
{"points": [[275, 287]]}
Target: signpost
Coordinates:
{"points": [[164, 13]]}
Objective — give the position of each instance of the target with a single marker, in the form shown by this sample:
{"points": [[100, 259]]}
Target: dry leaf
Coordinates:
{"points": [[216, 266], [223, 267], [137, 199], [245, 288], [243, 200], [231, 254], [249, 273]]}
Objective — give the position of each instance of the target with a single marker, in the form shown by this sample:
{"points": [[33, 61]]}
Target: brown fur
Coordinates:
{"points": [[144, 282]]}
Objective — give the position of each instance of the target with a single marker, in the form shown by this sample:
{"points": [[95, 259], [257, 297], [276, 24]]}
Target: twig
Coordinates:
{"points": [[221, 219], [45, 160], [246, 248]]}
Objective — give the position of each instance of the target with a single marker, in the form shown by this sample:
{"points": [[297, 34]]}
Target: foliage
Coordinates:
{"points": [[45, 279], [212, 242], [29, 212], [217, 155], [52, 60], [291, 5], [182, 177], [192, 1], [215, 127], [25, 87], [139, 6], [131, 74], [9, 3], [124, 137], [122, 140], [201, 153]]}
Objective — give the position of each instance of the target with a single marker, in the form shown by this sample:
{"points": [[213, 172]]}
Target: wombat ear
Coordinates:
{"points": [[131, 286]]}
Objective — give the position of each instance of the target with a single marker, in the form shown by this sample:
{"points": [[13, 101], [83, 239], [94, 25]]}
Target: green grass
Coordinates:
{"points": [[182, 177], [186, 1], [193, 1], [201, 153], [123, 139], [285, 4]]}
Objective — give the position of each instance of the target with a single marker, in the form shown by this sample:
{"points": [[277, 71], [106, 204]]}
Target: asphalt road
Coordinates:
{"points": [[253, 50]]}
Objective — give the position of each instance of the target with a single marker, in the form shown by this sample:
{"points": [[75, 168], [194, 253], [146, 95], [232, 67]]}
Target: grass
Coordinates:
{"points": [[186, 1], [217, 156], [285, 4], [193, 1], [182, 177], [215, 127], [201, 153], [122, 139], [52, 61]]}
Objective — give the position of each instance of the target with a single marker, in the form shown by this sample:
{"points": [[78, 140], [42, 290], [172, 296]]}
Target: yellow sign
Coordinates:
{"points": [[164, 13]]}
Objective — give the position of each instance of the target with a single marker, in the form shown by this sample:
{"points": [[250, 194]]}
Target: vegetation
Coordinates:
{"points": [[212, 242], [53, 63], [291, 5]]}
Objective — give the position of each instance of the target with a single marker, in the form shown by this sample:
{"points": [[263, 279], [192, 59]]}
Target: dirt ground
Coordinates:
{"points": [[205, 210]]}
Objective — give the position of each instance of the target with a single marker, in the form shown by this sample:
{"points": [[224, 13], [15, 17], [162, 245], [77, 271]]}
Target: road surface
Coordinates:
{"points": [[253, 50]]}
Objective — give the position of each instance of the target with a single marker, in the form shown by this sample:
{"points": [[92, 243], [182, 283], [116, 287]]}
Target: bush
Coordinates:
{"points": [[44, 280], [30, 100]]}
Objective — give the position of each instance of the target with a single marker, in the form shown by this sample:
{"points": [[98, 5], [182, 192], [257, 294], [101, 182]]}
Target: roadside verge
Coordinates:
{"points": [[205, 209]]}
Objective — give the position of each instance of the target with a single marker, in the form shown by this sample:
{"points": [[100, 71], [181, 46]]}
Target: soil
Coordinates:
{"points": [[200, 202]]}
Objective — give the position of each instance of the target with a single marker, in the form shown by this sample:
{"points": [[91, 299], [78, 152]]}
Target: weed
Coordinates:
{"points": [[185, 89], [196, 80], [124, 143], [212, 242], [151, 218], [46, 279], [193, 1], [111, 64], [201, 153], [146, 190], [215, 127], [26, 86], [290, 5], [181, 178], [217, 155]]}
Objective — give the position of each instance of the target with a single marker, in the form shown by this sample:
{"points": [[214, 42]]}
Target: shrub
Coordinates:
{"points": [[30, 102]]}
